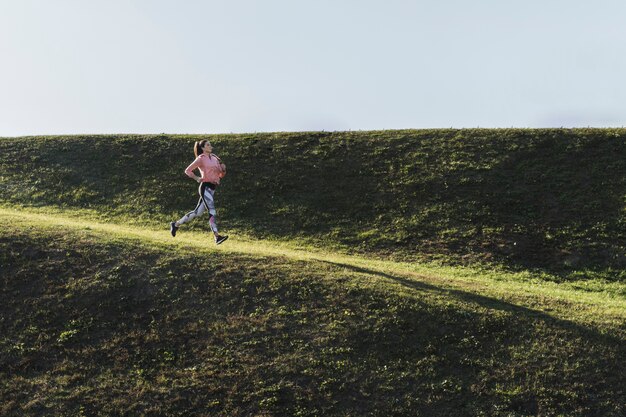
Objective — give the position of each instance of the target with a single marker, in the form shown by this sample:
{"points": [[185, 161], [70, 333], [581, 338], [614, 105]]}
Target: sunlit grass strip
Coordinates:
{"points": [[606, 305]]}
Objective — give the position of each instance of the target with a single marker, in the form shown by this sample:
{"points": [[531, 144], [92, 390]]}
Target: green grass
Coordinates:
{"points": [[597, 300], [552, 200], [98, 322], [431, 273]]}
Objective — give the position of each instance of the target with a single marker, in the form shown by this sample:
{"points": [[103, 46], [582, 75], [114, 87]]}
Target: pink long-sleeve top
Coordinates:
{"points": [[209, 166]]}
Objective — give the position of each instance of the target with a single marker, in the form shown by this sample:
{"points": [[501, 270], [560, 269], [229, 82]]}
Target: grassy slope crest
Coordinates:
{"points": [[551, 199]]}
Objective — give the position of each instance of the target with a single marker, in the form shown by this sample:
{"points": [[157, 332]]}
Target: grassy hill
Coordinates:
{"points": [[544, 199], [429, 273], [98, 323]]}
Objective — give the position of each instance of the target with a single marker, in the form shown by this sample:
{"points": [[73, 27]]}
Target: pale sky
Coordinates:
{"points": [[192, 66]]}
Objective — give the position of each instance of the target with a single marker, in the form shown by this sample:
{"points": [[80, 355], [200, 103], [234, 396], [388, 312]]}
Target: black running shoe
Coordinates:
{"points": [[173, 228], [219, 239]]}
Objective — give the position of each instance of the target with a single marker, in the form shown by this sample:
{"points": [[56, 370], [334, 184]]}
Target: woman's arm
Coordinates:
{"points": [[191, 167], [222, 166]]}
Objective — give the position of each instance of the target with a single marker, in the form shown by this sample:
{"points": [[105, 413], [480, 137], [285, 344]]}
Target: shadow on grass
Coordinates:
{"points": [[557, 202], [525, 360], [487, 302]]}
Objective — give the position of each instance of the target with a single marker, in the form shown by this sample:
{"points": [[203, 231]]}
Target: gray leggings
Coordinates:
{"points": [[205, 203]]}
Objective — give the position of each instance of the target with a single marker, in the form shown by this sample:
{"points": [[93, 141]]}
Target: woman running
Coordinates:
{"points": [[211, 170]]}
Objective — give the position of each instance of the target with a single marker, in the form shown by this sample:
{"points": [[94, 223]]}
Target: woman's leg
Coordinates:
{"points": [[200, 208], [209, 205]]}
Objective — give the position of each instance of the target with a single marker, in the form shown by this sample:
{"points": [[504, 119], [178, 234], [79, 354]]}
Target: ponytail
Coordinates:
{"points": [[197, 147]]}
